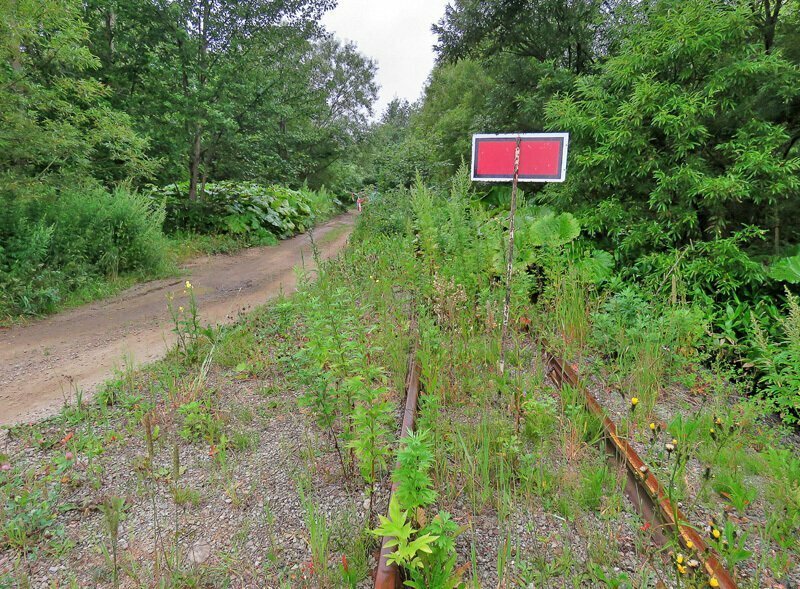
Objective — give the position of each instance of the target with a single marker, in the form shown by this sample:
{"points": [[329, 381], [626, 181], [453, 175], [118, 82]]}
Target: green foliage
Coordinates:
{"points": [[439, 565], [200, 422], [319, 535], [684, 140], [731, 545], [786, 270], [251, 91], [52, 247], [241, 209], [647, 342], [455, 97], [186, 325], [627, 320], [409, 546], [551, 230], [540, 29], [414, 459], [372, 422], [113, 94], [779, 362], [387, 213], [736, 490], [27, 513], [57, 126], [537, 233]]}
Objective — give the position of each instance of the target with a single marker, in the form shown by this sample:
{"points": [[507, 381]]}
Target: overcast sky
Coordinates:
{"points": [[395, 33]]}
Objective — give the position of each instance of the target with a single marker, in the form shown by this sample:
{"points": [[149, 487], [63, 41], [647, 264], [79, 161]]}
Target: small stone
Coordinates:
{"points": [[199, 552], [53, 570]]}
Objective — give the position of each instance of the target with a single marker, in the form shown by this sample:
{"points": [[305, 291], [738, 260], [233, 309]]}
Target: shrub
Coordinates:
{"points": [[779, 362], [243, 209], [56, 245], [112, 233], [385, 213]]}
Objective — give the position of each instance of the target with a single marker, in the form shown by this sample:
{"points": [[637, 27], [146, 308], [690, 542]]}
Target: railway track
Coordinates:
{"points": [[642, 488]]}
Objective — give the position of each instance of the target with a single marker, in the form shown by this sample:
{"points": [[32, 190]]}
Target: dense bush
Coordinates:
{"points": [[387, 213], [778, 361], [54, 246], [681, 148], [245, 209]]}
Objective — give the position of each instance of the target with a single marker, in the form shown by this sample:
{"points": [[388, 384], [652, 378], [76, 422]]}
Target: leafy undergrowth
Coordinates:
{"points": [[261, 454], [244, 210], [732, 467]]}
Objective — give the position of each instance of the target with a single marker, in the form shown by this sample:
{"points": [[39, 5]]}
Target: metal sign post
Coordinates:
{"points": [[537, 157]]}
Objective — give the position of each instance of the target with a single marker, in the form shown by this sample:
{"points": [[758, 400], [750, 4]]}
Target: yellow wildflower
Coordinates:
{"points": [[188, 285], [180, 309], [681, 569], [652, 426], [689, 544], [716, 533], [634, 401], [679, 559], [713, 582]]}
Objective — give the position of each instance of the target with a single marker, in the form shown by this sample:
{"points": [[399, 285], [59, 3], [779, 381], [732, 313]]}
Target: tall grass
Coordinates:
{"points": [[53, 247]]}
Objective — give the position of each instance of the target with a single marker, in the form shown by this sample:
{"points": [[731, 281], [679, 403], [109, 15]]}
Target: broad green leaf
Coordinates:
{"points": [[786, 270]]}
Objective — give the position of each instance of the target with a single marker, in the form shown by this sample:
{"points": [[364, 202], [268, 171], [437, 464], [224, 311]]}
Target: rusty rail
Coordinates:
{"points": [[642, 487], [388, 576]]}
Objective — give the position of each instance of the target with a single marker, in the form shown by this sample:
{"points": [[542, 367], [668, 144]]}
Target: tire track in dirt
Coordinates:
{"points": [[44, 362]]}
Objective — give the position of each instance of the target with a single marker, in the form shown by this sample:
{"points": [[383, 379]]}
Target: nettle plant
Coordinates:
{"points": [[347, 392], [427, 553], [372, 432], [779, 362]]}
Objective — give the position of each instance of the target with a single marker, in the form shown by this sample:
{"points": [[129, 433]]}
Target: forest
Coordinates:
{"points": [[615, 404], [119, 118]]}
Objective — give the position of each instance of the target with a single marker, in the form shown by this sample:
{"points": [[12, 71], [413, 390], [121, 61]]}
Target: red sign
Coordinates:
{"points": [[542, 157]]}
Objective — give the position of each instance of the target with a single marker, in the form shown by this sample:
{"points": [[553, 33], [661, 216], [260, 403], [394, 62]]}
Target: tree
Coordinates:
{"points": [[570, 32], [190, 68], [685, 135], [56, 124]]}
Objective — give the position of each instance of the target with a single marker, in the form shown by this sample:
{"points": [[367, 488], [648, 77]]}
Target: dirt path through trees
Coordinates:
{"points": [[45, 362]]}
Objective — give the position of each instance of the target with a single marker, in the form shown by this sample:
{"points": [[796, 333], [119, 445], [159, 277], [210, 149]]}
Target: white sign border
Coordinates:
{"points": [[561, 178]]}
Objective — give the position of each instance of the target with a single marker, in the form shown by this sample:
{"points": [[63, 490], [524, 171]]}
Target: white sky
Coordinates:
{"points": [[395, 33]]}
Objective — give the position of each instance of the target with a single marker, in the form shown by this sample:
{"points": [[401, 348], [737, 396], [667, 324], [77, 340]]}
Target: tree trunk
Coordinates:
{"points": [[111, 22], [776, 236], [194, 163], [770, 23]]}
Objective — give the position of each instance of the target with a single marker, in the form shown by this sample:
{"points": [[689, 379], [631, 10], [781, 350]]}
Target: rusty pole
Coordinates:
{"points": [[510, 260]]}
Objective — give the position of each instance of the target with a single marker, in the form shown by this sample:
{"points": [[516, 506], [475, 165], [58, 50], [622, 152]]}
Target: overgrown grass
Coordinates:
{"points": [[504, 481], [61, 249]]}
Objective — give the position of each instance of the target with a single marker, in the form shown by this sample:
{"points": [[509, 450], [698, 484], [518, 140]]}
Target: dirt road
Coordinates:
{"points": [[42, 364]]}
